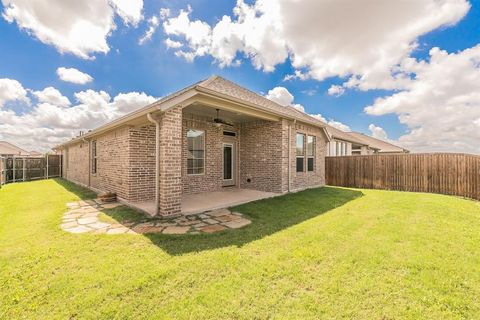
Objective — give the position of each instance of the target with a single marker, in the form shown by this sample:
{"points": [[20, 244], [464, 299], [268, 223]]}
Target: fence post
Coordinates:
{"points": [[14, 174], [23, 169], [47, 165]]}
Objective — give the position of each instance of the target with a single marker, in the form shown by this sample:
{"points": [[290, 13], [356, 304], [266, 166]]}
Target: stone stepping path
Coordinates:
{"points": [[83, 217]]}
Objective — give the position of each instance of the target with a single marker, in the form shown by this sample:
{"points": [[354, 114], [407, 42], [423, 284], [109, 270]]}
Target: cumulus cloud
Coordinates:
{"points": [[54, 119], [129, 10], [441, 107], [173, 44], [270, 31], [283, 97], [153, 23], [77, 27], [336, 90], [126, 102], [73, 75], [52, 96], [336, 124], [12, 90], [378, 132]]}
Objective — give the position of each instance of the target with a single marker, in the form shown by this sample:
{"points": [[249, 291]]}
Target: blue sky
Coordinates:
{"points": [[156, 70]]}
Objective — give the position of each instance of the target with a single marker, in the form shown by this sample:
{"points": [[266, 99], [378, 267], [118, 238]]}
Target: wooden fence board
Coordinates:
{"points": [[16, 169], [445, 173]]}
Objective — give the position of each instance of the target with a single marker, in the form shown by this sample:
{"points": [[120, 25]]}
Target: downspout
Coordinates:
{"points": [[157, 159], [290, 153], [89, 160]]}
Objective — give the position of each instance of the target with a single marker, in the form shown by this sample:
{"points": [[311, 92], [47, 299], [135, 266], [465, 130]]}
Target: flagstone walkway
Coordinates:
{"points": [[83, 217]]}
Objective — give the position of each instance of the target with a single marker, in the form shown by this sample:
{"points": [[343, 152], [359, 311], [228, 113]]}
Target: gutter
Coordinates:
{"points": [[157, 160]]}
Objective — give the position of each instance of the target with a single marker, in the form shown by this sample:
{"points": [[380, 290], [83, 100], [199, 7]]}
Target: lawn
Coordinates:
{"points": [[321, 253]]}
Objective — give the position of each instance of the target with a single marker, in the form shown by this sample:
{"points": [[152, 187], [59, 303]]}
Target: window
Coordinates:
{"points": [[310, 153], [300, 151], [196, 151], [94, 156]]}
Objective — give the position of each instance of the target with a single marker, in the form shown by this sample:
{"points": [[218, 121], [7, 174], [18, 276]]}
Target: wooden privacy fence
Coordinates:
{"points": [[16, 169], [445, 173]]}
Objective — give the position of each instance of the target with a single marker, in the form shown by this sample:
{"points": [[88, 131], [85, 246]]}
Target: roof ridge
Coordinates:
{"points": [[380, 140], [208, 80]]}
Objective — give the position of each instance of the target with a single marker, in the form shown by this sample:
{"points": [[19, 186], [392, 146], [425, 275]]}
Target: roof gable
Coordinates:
{"points": [[8, 148]]}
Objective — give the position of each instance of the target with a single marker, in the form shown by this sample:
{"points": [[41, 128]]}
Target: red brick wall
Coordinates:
{"points": [[301, 180], [75, 163], [211, 180], [261, 156], [141, 173], [170, 193], [112, 162]]}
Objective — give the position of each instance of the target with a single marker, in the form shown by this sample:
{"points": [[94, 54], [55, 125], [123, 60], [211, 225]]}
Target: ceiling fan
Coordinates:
{"points": [[219, 121]]}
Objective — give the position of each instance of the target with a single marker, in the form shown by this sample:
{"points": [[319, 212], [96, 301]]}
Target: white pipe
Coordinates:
{"points": [[157, 159], [89, 160], [289, 154]]}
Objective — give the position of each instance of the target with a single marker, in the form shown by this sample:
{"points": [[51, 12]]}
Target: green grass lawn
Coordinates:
{"points": [[321, 253]]}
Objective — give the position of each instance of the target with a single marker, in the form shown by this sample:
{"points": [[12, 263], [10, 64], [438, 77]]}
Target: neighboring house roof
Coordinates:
{"points": [[383, 146], [345, 136], [8, 148], [35, 153], [214, 86]]}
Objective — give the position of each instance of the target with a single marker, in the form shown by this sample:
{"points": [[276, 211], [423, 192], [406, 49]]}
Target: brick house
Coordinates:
{"points": [[207, 137]]}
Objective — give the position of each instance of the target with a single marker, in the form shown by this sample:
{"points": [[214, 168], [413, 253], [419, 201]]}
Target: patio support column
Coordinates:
{"points": [[170, 162]]}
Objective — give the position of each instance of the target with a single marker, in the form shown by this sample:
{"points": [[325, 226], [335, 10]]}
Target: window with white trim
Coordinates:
{"points": [[310, 153], [196, 151], [300, 152]]}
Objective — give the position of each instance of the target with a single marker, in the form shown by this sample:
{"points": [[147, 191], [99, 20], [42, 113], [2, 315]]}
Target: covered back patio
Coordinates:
{"points": [[209, 201]]}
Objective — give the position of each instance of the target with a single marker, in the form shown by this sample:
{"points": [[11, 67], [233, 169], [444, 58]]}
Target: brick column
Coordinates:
{"points": [[170, 175]]}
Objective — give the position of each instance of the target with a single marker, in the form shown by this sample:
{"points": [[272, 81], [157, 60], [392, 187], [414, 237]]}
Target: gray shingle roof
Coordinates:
{"points": [[383, 146], [229, 88]]}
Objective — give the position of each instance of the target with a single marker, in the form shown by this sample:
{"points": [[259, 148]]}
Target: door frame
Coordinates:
{"points": [[233, 181]]}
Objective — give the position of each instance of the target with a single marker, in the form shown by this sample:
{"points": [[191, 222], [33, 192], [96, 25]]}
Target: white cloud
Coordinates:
{"points": [[77, 27], [280, 95], [52, 96], [12, 90], [441, 107], [296, 75], [283, 97], [319, 117], [129, 10], [52, 121], [378, 132], [173, 44], [126, 102], [153, 23], [339, 125], [73, 75], [336, 124], [336, 90], [270, 31]]}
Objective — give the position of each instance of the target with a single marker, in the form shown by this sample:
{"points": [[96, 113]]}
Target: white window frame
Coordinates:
{"points": [[94, 163], [303, 149], [204, 152], [314, 143]]}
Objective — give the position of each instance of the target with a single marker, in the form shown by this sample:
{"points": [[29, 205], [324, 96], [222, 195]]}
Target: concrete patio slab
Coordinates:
{"points": [[209, 201]]}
